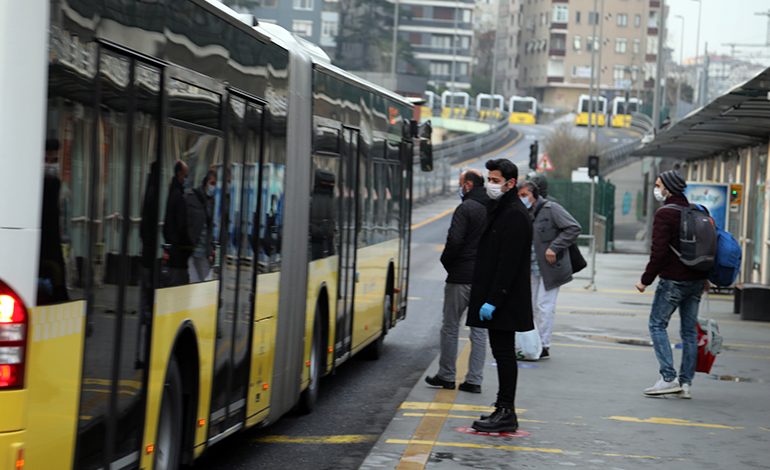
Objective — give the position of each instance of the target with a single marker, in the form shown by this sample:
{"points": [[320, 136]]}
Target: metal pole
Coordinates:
{"points": [[494, 49], [679, 75], [593, 71], [394, 53], [697, 52], [454, 56], [659, 69], [599, 72]]}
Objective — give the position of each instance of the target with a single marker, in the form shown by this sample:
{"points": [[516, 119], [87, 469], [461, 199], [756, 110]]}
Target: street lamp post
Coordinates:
{"points": [[697, 55], [394, 53], [681, 65]]}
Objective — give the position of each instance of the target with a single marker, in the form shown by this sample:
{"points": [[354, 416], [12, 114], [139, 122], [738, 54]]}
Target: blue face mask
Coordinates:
{"points": [[210, 190], [525, 200], [460, 192]]}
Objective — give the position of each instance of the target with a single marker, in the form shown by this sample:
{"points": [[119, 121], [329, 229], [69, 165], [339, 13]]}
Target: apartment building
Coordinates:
{"points": [[506, 70], [430, 26], [557, 40]]}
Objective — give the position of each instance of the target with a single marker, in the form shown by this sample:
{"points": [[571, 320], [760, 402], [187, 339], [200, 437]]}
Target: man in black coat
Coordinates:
{"points": [[459, 258], [175, 230], [501, 297]]}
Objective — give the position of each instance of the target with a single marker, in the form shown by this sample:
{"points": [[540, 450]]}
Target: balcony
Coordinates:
{"points": [[557, 52], [654, 3], [652, 31], [650, 57], [558, 26], [448, 25], [555, 79], [459, 52]]}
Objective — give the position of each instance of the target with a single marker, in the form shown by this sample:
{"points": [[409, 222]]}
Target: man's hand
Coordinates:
{"points": [[640, 287], [486, 312], [550, 256]]}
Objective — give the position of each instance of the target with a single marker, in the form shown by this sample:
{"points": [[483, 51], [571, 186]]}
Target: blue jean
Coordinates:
{"points": [[670, 295]]}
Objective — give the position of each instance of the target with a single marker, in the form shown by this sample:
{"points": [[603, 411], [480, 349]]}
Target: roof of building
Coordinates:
{"points": [[739, 118]]}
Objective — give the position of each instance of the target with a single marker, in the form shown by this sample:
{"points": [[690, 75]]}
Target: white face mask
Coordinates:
{"points": [[494, 191], [658, 193], [525, 200], [210, 190]]}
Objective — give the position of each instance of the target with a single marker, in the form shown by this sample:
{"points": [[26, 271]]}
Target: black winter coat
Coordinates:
{"points": [[175, 230], [462, 240], [501, 275]]}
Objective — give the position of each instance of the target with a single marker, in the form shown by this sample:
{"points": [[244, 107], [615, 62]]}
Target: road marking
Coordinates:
{"points": [[417, 415], [628, 456], [504, 147], [425, 405], [433, 218], [467, 445], [672, 422], [340, 439]]}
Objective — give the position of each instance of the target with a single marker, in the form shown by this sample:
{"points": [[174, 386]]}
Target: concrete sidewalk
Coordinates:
{"points": [[584, 407]]}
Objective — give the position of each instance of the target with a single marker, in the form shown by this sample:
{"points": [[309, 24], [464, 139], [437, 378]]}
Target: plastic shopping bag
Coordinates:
{"points": [[709, 345], [528, 345]]}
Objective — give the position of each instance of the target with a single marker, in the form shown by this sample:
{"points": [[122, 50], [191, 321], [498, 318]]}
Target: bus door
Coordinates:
{"points": [[405, 234], [238, 264], [347, 250]]}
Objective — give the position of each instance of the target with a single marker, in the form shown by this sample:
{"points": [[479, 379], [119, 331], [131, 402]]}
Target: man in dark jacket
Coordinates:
{"points": [[175, 231], [679, 287], [458, 258], [500, 293], [200, 225]]}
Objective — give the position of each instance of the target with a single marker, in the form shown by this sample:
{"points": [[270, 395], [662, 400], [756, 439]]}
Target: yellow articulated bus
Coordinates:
{"points": [[455, 104], [622, 111], [202, 217], [599, 115], [431, 101], [489, 106], [523, 110]]}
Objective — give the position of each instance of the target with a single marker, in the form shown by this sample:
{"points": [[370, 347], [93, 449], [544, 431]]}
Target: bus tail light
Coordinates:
{"points": [[13, 339]]}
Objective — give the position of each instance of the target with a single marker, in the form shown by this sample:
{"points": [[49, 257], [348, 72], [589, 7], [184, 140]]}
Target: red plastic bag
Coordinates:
{"points": [[705, 357]]}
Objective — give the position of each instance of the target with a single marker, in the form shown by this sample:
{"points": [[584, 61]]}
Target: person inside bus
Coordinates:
{"points": [[52, 285], [175, 232], [322, 220], [200, 215]]}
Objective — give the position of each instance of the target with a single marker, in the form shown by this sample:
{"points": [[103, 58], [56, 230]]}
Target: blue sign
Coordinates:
{"points": [[714, 196]]}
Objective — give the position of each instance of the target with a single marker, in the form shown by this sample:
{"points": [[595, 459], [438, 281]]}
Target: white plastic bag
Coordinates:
{"points": [[528, 345]]}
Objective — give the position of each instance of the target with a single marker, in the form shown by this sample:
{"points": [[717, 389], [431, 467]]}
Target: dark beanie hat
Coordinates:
{"points": [[673, 181]]}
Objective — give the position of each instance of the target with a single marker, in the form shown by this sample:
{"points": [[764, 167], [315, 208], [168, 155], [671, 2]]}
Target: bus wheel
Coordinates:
{"points": [[376, 349], [168, 447], [309, 396]]}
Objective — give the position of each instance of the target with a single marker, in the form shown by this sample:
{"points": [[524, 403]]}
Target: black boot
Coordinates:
{"points": [[438, 382], [502, 420]]}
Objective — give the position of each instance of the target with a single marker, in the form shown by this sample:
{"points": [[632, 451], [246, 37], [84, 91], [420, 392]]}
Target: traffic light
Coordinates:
{"points": [[593, 166], [533, 155]]}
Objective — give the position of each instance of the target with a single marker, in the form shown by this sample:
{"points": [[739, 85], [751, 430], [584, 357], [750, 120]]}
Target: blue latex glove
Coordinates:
{"points": [[486, 311]]}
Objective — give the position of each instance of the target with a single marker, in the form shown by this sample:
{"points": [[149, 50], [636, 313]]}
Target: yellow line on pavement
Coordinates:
{"points": [[672, 422], [468, 445], [627, 456], [474, 416], [504, 147], [433, 219], [340, 439], [426, 405]]}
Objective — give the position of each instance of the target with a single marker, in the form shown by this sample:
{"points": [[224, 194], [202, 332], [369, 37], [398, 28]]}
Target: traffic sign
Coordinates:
{"points": [[545, 163]]}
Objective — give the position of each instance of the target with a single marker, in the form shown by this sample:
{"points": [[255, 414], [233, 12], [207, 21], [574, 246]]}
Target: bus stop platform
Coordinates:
{"points": [[584, 406]]}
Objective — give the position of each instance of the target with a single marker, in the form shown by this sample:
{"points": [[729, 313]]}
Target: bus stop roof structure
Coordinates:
{"points": [[739, 118]]}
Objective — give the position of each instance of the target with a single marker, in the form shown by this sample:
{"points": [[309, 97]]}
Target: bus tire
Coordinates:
{"points": [[168, 440], [377, 348], [309, 396]]}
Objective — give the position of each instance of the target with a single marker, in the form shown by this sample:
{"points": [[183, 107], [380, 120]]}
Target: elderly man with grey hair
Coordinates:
{"points": [[459, 258], [553, 231]]}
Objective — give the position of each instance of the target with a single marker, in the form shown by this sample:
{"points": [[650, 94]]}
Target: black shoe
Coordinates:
{"points": [[544, 354], [502, 420], [437, 382], [470, 388]]}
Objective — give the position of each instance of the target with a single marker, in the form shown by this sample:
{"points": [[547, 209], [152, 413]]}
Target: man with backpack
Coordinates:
{"points": [[682, 254]]}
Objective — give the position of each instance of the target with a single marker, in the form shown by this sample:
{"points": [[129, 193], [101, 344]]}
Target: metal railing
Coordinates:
{"points": [[620, 155], [442, 179]]}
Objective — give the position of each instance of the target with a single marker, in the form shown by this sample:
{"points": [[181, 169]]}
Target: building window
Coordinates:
{"points": [[441, 42], [440, 69], [652, 45], [303, 5], [467, 16], [637, 46], [621, 45], [622, 19], [618, 73], [302, 27], [462, 69], [560, 14], [634, 73], [592, 44], [577, 17], [637, 20], [593, 17], [329, 29], [558, 42], [576, 43], [653, 21]]}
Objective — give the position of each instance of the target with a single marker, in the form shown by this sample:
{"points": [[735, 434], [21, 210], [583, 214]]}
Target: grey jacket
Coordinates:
{"points": [[554, 228]]}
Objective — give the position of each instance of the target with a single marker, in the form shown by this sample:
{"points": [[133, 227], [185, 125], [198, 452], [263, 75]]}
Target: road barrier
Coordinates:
{"points": [[448, 153], [620, 155]]}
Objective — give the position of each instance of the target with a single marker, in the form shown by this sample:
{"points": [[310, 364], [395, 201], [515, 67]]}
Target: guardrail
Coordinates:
{"points": [[618, 156], [442, 179]]}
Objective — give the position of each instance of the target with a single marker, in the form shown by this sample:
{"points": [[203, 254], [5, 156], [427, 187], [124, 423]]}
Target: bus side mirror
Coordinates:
{"points": [[426, 155]]}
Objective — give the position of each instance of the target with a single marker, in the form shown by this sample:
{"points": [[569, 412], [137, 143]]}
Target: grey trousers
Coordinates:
{"points": [[456, 298]]}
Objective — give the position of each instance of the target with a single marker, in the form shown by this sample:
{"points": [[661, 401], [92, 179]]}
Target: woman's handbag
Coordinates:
{"points": [[576, 258]]}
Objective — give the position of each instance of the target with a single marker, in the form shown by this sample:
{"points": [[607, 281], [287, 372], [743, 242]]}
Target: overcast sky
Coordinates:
{"points": [[722, 21]]}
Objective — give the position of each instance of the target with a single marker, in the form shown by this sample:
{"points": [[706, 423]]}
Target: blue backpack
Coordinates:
{"points": [[727, 262]]}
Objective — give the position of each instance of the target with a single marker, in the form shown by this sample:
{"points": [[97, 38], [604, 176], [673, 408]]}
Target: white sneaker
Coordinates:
{"points": [[685, 393], [662, 387]]}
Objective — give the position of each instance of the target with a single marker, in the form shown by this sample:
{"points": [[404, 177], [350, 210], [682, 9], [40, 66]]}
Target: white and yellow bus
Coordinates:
{"points": [[455, 104], [489, 106], [523, 110], [200, 219], [622, 111], [599, 115]]}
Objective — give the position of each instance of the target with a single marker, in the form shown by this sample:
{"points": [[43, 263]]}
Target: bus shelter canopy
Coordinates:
{"points": [[739, 118]]}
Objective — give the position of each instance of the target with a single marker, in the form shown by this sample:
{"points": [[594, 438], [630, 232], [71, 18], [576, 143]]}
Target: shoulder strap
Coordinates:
{"points": [[538, 209]]}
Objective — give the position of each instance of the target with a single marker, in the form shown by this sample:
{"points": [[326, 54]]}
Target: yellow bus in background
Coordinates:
{"points": [[489, 106], [455, 104], [622, 111], [523, 110], [599, 115], [204, 218]]}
